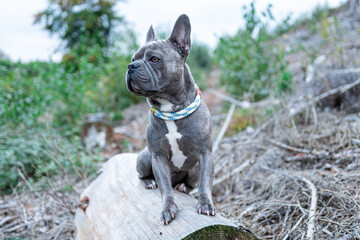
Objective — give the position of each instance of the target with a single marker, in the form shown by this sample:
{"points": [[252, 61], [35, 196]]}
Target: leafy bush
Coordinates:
{"points": [[36, 96], [199, 62], [37, 153], [40, 92], [250, 61]]}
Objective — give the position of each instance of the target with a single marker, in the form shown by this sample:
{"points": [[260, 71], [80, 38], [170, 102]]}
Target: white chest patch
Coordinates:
{"points": [[178, 157], [165, 105]]}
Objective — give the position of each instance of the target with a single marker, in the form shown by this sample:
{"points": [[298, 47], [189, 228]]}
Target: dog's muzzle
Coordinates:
{"points": [[132, 67]]}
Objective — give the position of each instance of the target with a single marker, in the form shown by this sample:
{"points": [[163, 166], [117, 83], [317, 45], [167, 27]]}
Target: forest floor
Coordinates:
{"points": [[288, 174]]}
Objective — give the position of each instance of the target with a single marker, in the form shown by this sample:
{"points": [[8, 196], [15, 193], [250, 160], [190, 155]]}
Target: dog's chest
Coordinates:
{"points": [[178, 158]]}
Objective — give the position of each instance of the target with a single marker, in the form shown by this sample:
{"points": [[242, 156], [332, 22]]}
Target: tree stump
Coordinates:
{"points": [[116, 205], [323, 80], [96, 131]]}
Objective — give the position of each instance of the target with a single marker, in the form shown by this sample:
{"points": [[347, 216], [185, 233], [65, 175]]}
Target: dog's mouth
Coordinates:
{"points": [[131, 86], [128, 83], [134, 88]]}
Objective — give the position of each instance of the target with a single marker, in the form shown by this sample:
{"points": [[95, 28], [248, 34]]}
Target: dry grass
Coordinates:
{"points": [[45, 211], [270, 196]]}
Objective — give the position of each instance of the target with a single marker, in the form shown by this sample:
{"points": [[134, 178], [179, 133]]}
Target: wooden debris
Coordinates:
{"points": [[119, 207], [324, 80], [341, 89], [224, 127], [96, 131], [312, 209]]}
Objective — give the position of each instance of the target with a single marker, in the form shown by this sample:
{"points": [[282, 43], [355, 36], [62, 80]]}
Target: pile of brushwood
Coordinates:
{"points": [[297, 175], [39, 213]]}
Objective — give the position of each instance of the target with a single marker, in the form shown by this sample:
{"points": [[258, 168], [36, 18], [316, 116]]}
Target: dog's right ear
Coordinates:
{"points": [[150, 35]]}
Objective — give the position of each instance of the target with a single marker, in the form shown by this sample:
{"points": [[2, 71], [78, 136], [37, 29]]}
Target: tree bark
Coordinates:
{"points": [[116, 205]]}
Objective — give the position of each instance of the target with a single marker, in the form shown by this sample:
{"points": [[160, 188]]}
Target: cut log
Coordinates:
{"points": [[323, 80], [116, 205]]}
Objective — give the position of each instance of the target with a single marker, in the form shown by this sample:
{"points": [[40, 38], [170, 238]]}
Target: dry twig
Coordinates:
{"points": [[244, 104], [224, 128], [312, 210], [232, 173]]}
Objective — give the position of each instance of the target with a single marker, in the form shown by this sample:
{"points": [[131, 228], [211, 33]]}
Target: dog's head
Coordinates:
{"points": [[158, 66]]}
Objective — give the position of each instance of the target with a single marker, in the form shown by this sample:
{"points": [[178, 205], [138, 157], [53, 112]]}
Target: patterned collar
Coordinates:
{"points": [[180, 114]]}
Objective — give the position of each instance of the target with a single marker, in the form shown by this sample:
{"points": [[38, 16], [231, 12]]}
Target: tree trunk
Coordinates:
{"points": [[117, 206]]}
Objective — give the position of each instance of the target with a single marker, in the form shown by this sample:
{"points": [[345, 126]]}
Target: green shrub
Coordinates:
{"points": [[36, 96], [37, 153], [199, 62], [250, 61], [39, 92]]}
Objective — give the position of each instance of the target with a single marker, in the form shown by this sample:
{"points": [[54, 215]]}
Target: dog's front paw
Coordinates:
{"points": [[205, 205], [169, 212]]}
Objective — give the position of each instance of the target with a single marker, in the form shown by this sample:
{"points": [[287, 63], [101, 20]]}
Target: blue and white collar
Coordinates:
{"points": [[180, 114]]}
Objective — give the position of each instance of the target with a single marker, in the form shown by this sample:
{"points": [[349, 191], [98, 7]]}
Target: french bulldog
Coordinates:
{"points": [[179, 151]]}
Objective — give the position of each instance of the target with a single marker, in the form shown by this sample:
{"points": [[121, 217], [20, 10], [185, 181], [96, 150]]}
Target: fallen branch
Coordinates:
{"points": [[236, 170], [14, 228], [9, 225], [312, 210], [348, 154], [249, 209], [301, 157], [294, 227], [341, 89], [262, 127], [224, 128], [288, 147], [227, 176], [243, 104], [313, 202], [5, 220], [355, 141]]}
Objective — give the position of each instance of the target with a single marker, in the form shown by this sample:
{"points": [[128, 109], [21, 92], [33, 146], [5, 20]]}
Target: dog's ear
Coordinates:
{"points": [[180, 35], [150, 35]]}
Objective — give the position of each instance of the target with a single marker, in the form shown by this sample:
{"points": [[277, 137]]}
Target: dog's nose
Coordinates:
{"points": [[133, 66]]}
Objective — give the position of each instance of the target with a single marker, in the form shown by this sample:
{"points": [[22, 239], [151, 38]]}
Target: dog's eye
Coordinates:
{"points": [[154, 59], [133, 59]]}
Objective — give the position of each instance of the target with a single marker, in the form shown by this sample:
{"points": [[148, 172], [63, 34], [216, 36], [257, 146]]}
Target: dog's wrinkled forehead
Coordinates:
{"points": [[162, 47]]}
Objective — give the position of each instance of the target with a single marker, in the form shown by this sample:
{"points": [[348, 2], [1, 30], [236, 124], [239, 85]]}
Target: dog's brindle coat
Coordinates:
{"points": [[179, 152]]}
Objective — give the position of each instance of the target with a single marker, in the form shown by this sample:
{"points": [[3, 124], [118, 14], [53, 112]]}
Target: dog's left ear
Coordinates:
{"points": [[150, 35], [180, 35]]}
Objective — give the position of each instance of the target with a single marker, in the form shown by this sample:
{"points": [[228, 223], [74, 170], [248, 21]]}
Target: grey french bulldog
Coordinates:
{"points": [[178, 152]]}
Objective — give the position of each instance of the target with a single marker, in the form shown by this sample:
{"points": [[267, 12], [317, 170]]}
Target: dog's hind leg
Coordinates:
{"points": [[144, 168], [190, 181]]}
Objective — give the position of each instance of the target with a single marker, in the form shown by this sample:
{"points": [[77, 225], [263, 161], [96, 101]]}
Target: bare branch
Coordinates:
{"points": [[233, 172], [224, 128], [312, 210], [288, 147], [341, 89], [243, 104], [294, 227]]}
